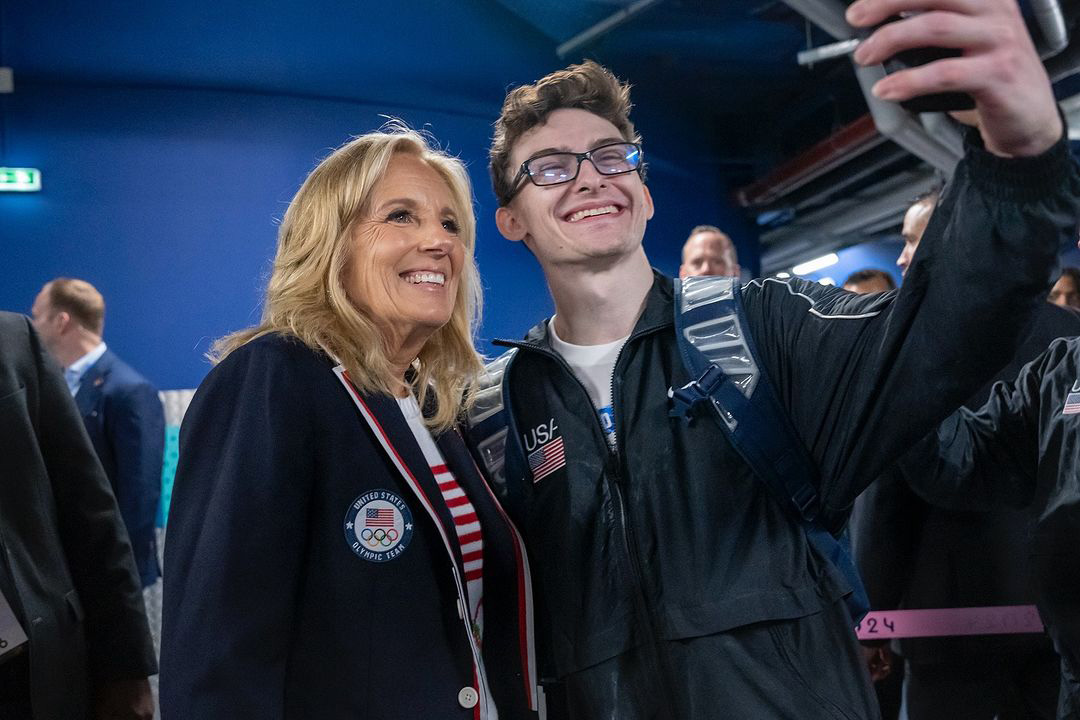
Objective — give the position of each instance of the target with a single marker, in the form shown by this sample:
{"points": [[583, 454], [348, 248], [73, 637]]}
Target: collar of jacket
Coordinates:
{"points": [[658, 313]]}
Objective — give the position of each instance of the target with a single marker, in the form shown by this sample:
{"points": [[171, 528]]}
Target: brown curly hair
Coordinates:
{"points": [[588, 86]]}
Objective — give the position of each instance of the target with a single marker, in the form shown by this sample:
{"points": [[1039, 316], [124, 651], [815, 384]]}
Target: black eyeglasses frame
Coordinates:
{"points": [[523, 170]]}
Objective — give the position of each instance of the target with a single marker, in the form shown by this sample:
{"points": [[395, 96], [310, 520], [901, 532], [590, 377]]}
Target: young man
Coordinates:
{"points": [[671, 583]]}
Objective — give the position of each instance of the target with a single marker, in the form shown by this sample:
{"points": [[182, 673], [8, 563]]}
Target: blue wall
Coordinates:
{"points": [[166, 200], [875, 255]]}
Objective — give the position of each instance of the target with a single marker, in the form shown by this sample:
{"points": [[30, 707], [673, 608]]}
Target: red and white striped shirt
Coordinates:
{"points": [[468, 532], [466, 524]]}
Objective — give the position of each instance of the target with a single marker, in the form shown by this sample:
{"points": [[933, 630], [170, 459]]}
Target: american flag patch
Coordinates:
{"points": [[379, 517], [1072, 404], [547, 459]]}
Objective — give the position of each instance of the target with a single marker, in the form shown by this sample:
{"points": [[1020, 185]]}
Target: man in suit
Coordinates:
{"points": [[120, 408], [66, 570]]}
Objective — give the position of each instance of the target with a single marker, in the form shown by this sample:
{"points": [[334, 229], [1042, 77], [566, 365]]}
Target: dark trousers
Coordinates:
{"points": [[890, 691], [1069, 697], [1008, 688], [15, 688]]}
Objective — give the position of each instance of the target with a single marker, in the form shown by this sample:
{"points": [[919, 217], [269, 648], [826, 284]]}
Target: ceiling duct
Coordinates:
{"points": [[891, 120], [826, 14], [1065, 64], [844, 222], [903, 127], [1071, 107], [603, 27], [843, 145], [1051, 22]]}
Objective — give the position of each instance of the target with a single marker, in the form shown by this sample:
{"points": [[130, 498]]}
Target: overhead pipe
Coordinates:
{"points": [[829, 16], [943, 129], [826, 14], [891, 120], [1071, 107], [604, 26], [844, 222], [846, 143], [900, 126], [1064, 64], [852, 176], [1051, 22]]}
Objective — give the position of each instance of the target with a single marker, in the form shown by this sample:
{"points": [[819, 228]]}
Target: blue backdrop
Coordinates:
{"points": [[167, 199]]}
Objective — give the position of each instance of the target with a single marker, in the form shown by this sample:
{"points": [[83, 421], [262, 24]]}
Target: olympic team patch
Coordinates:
{"points": [[378, 526]]}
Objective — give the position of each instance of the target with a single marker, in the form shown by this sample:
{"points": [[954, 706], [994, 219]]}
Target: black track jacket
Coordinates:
{"points": [[672, 537], [1022, 448]]}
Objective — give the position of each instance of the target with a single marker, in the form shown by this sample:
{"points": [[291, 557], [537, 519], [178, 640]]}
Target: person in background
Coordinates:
{"points": [[709, 251], [886, 670], [869, 281], [914, 555], [1066, 291], [120, 408], [915, 221], [333, 551], [1022, 449], [68, 580]]}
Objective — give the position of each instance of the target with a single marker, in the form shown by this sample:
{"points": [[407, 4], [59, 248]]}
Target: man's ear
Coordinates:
{"points": [[63, 321], [509, 226], [648, 203]]}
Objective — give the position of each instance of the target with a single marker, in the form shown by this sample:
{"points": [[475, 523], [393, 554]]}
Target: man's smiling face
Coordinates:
{"points": [[591, 218]]}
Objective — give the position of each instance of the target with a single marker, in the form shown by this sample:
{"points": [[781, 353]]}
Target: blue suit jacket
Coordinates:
{"points": [[124, 418]]}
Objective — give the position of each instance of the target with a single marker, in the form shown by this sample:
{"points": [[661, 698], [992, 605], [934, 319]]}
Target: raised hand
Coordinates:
{"points": [[999, 67]]}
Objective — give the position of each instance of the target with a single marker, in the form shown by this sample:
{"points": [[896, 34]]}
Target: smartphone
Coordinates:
{"points": [[937, 102]]}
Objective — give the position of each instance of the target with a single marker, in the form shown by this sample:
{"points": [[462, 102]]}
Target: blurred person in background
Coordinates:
{"points": [[868, 281], [1022, 449], [709, 251], [120, 408], [886, 671], [915, 221], [1066, 291]]}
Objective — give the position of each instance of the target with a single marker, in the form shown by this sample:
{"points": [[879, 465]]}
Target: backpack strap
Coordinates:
{"points": [[487, 422], [718, 351]]}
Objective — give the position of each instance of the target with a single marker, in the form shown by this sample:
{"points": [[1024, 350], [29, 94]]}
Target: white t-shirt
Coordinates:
{"points": [[593, 365]]}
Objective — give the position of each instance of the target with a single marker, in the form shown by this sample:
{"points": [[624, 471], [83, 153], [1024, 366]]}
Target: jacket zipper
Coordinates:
{"points": [[615, 457], [650, 618]]}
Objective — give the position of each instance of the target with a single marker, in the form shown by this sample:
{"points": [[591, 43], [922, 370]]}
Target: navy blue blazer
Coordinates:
{"points": [[124, 418], [308, 572]]}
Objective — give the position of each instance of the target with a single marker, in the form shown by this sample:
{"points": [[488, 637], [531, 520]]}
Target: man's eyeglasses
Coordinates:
{"points": [[556, 168]]}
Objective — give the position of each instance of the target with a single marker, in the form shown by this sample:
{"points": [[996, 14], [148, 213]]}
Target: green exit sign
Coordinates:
{"points": [[20, 179]]}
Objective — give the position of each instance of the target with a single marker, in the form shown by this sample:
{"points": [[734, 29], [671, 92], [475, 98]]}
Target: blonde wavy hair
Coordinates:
{"points": [[306, 296]]}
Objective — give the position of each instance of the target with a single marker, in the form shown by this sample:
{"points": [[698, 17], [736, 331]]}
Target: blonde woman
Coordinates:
{"points": [[332, 550]]}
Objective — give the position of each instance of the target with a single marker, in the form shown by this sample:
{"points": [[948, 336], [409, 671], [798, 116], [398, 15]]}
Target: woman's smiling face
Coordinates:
{"points": [[406, 258]]}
